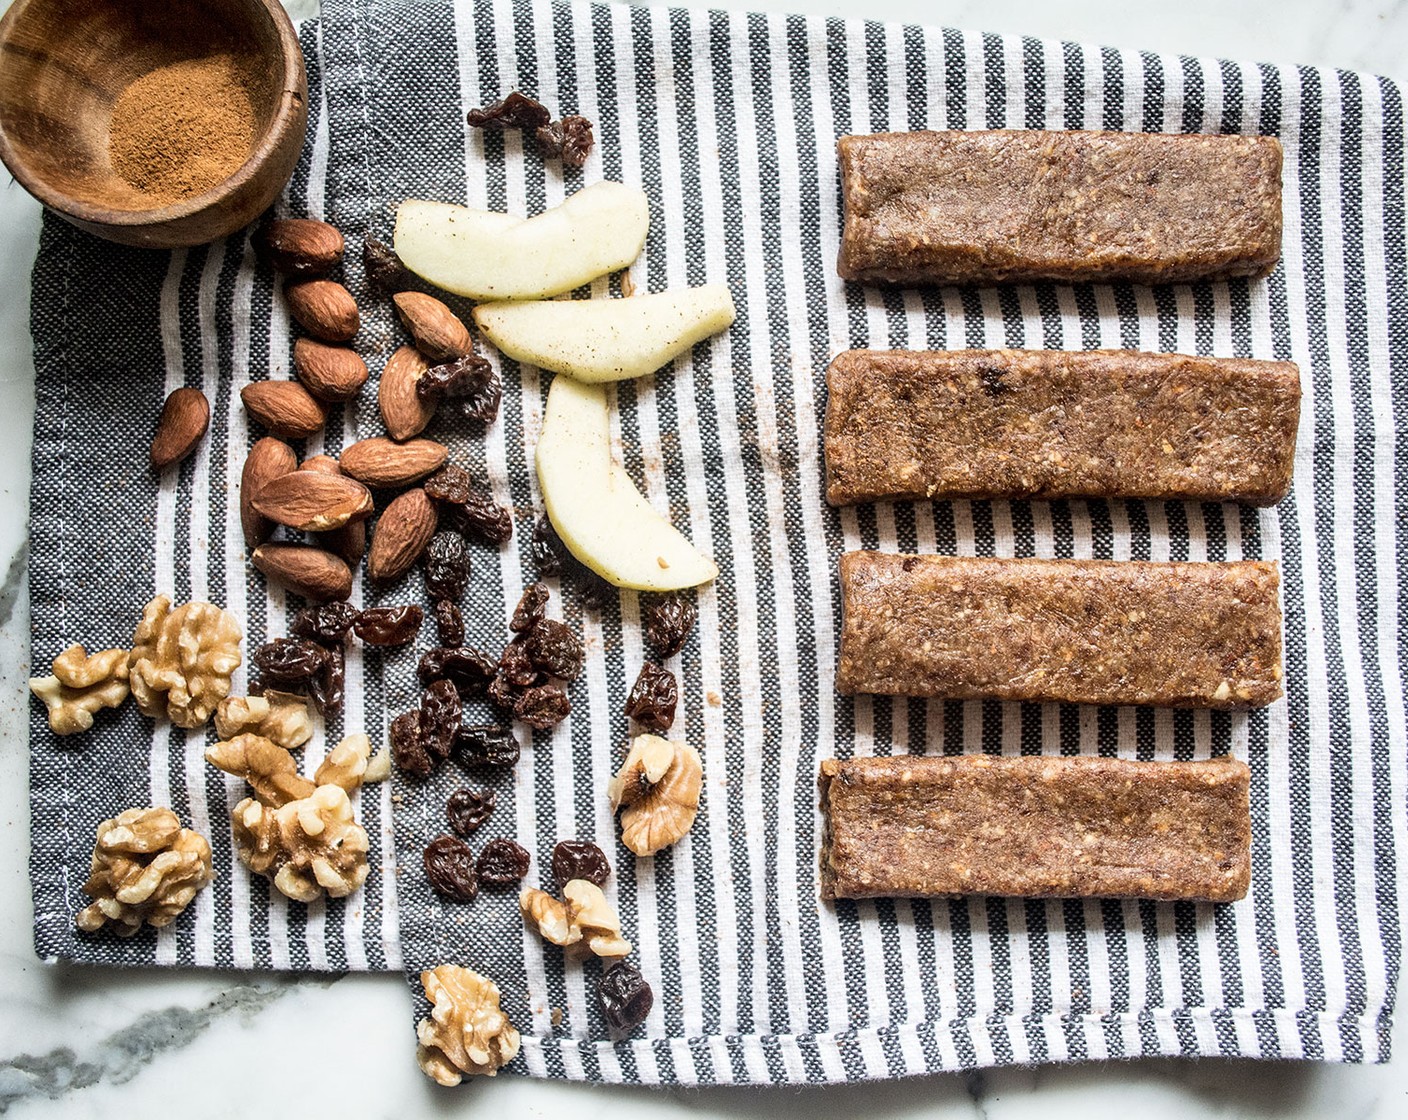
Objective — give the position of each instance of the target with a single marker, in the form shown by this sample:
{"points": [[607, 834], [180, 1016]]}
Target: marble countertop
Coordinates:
{"points": [[78, 1042]]}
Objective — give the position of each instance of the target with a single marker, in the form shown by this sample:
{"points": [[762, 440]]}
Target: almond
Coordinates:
{"points": [[268, 459], [323, 308], [330, 373], [386, 464], [438, 331], [301, 247], [312, 572], [184, 418], [349, 542], [314, 501], [284, 407], [404, 413], [325, 463], [401, 534]]}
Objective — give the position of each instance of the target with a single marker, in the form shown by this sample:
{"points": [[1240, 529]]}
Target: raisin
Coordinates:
{"points": [[384, 268], [502, 863], [439, 719], [502, 693], [326, 624], [516, 666], [388, 626], [571, 138], [290, 662], [449, 622], [517, 110], [446, 563], [579, 859], [653, 697], [449, 865], [406, 751], [624, 997], [531, 606], [468, 669], [483, 519], [668, 621], [593, 592], [465, 376], [487, 745], [450, 484], [553, 648], [543, 707], [547, 549], [329, 688], [467, 809], [480, 400]]}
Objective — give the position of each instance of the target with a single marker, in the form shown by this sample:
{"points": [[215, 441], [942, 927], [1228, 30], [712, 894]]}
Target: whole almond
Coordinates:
{"points": [[184, 418], [268, 459], [324, 463], [349, 542], [301, 247], [330, 373], [403, 412], [312, 572], [386, 464], [286, 408], [314, 501], [323, 308], [439, 333], [400, 536]]}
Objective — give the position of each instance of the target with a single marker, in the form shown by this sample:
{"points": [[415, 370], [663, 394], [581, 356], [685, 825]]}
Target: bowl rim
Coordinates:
{"points": [[292, 79]]}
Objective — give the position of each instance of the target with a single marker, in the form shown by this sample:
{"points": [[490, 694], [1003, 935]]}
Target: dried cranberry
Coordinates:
{"points": [[547, 549], [483, 519], [579, 859], [554, 649], [467, 809], [406, 751], [446, 563], [465, 376], [326, 624], [487, 745], [451, 484], [388, 626], [449, 865], [531, 605], [290, 662], [449, 623], [516, 666], [439, 719], [543, 707], [653, 698], [384, 268], [329, 688], [469, 669], [517, 110], [502, 863], [571, 138], [668, 621], [624, 997]]}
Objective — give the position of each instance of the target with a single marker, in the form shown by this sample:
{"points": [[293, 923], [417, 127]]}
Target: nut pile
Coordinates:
{"points": [[146, 869]]}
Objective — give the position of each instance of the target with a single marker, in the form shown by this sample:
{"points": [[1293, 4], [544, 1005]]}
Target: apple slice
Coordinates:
{"points": [[486, 255], [606, 339], [602, 518]]}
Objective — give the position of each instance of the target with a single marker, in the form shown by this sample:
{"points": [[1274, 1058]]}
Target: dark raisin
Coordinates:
{"points": [[487, 745], [517, 110], [531, 605], [449, 865], [483, 519], [579, 859], [516, 666], [502, 693], [593, 592], [469, 669], [446, 563], [439, 719], [329, 688], [543, 707], [467, 809], [624, 997], [451, 484], [406, 751], [384, 268], [479, 400], [653, 698], [547, 549], [326, 624], [449, 623], [502, 863], [388, 626], [571, 138], [289, 662], [553, 648], [465, 376], [668, 621]]}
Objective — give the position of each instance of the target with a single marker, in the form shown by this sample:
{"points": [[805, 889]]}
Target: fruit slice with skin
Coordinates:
{"points": [[486, 255], [595, 507], [606, 339]]}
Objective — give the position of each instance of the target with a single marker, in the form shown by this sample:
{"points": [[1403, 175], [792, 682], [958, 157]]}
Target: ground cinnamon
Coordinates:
{"points": [[181, 129]]}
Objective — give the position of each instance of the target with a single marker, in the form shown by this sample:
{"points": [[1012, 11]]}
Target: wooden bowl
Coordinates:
{"points": [[65, 63]]}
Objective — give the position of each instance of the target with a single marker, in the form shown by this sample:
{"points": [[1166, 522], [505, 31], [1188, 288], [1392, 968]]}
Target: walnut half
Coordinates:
{"points": [[657, 792], [82, 683], [467, 1032], [581, 919], [146, 869], [281, 717], [307, 848], [182, 660]]}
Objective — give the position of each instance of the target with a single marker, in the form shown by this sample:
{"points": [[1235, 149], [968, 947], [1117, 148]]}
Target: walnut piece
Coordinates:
{"points": [[347, 764], [657, 791], [146, 869], [466, 1033], [282, 717], [307, 847], [269, 769], [583, 919], [182, 660], [82, 683]]}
